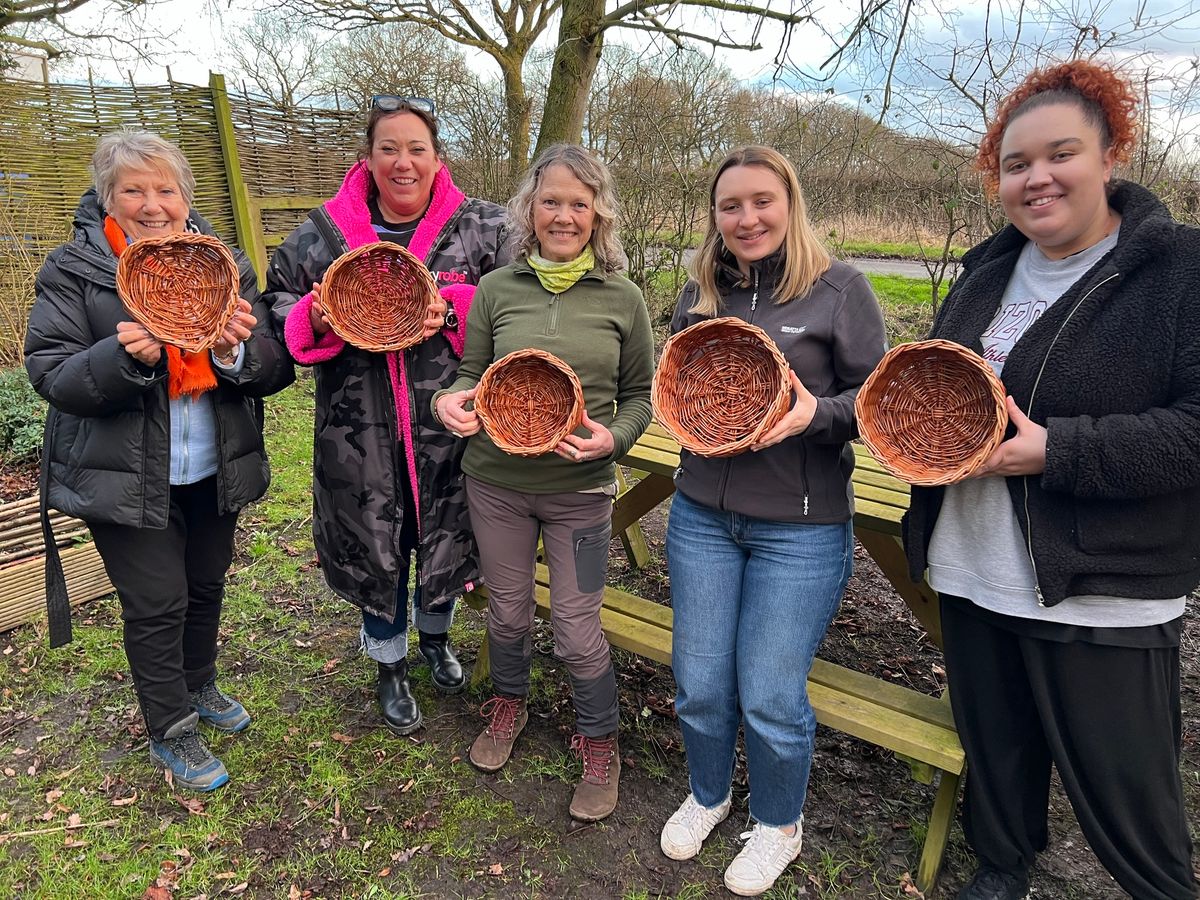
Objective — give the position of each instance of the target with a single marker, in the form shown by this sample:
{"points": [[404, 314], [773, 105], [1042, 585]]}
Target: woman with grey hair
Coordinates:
{"points": [[156, 449], [563, 295]]}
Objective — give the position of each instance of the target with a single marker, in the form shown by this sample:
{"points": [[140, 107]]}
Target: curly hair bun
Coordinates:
{"points": [[1107, 99]]}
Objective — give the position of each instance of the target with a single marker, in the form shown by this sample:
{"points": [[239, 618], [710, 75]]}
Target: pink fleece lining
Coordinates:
{"points": [[302, 342], [349, 211], [461, 295]]}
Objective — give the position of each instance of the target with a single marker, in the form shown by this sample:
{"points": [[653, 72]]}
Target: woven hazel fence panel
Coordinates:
{"points": [[22, 562], [302, 152], [49, 131]]}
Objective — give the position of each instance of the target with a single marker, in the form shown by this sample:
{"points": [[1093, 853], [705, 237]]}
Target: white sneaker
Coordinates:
{"points": [[767, 853], [692, 823]]}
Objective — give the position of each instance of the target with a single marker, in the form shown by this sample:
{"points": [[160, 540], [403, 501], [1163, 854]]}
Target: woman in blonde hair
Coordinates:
{"points": [[760, 545], [564, 294]]}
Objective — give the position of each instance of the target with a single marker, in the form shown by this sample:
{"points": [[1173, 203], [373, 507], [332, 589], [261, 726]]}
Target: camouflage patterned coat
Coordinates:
{"points": [[373, 420]]}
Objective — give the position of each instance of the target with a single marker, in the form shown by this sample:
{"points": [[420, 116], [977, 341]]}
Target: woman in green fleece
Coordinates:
{"points": [[563, 295]]}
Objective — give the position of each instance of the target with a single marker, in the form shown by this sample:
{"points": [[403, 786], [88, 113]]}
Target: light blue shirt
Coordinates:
{"points": [[194, 455]]}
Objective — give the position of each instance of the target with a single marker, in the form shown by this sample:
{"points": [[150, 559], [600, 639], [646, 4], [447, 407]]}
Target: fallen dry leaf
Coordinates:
{"points": [[384, 872], [408, 786], [293, 893], [495, 869], [154, 892], [126, 801], [192, 805], [238, 888], [342, 738]]}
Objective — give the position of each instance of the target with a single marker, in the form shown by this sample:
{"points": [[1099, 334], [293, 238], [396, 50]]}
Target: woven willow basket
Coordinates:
{"points": [[932, 412], [529, 401], [377, 297], [182, 287], [721, 384]]}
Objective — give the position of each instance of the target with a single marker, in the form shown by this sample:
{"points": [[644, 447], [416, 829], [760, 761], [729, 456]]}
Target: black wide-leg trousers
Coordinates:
{"points": [[1107, 717]]}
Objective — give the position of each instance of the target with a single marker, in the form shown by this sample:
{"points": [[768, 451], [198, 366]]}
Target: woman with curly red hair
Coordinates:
{"points": [[1063, 569]]}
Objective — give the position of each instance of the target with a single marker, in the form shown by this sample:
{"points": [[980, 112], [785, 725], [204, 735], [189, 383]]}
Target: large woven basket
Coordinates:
{"points": [[377, 297], [182, 287], [932, 412], [528, 401], [721, 384]]}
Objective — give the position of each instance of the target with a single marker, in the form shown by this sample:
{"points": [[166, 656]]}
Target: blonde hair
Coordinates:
{"points": [[606, 243], [127, 149], [805, 258]]}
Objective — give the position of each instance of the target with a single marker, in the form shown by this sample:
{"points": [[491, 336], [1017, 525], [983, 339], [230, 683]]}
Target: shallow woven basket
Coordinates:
{"points": [[529, 401], [377, 297], [932, 412], [182, 287], [720, 385]]}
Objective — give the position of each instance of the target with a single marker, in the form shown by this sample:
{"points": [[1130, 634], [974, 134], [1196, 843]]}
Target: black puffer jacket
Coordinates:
{"points": [[107, 450], [1112, 370]]}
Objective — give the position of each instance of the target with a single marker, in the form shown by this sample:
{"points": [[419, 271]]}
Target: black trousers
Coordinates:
{"points": [[171, 583], [1108, 718]]}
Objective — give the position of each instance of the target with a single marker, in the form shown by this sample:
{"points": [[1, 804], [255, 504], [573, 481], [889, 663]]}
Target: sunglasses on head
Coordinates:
{"points": [[393, 102]]}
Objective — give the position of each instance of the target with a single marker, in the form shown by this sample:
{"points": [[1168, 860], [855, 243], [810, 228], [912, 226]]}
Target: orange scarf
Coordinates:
{"points": [[187, 373]]}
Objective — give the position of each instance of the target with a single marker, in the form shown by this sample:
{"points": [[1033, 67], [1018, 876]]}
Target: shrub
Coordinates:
{"points": [[22, 416]]}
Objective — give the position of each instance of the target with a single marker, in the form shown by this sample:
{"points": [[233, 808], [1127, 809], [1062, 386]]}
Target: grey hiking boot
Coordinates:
{"points": [[218, 709], [182, 753], [506, 718], [596, 794]]}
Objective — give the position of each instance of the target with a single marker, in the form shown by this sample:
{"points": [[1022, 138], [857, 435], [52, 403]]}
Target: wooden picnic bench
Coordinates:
{"points": [[917, 727]]}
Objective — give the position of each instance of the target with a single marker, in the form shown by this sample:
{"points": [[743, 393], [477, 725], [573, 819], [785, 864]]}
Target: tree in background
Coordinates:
{"points": [[283, 63]]}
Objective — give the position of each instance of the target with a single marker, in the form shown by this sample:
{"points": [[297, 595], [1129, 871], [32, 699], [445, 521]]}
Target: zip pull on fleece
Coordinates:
{"points": [[754, 296]]}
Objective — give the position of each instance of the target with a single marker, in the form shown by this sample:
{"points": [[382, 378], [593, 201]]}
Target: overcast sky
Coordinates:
{"points": [[194, 39]]}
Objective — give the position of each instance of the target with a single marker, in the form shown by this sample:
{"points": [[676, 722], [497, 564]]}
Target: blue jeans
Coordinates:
{"points": [[387, 642], [752, 599]]}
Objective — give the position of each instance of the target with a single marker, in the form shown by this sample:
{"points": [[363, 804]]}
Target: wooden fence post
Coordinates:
{"points": [[245, 217]]}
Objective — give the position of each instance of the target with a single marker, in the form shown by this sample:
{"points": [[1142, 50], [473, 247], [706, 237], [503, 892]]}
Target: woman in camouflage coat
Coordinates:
{"points": [[386, 477]]}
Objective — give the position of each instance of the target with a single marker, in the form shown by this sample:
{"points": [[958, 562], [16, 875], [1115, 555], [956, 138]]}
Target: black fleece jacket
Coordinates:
{"points": [[1112, 370], [833, 337]]}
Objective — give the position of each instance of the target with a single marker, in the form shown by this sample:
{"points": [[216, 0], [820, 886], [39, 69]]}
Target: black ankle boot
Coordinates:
{"points": [[447, 673], [400, 711]]}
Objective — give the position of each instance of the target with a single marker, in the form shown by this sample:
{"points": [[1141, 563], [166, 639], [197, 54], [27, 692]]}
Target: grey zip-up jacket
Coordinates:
{"points": [[832, 338]]}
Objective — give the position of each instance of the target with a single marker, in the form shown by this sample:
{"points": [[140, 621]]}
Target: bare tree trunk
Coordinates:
{"points": [[580, 42], [517, 118]]}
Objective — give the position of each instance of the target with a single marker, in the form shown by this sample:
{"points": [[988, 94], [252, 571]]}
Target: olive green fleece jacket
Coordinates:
{"points": [[600, 328]]}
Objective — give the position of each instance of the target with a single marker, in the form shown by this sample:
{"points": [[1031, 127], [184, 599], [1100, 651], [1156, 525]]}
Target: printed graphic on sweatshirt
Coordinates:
{"points": [[1012, 321]]}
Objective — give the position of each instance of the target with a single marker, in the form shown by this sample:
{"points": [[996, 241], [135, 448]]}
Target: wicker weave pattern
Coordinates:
{"points": [[932, 412], [721, 384], [529, 401], [377, 297], [182, 287]]}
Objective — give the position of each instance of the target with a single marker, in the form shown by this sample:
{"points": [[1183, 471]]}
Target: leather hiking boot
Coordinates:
{"points": [[444, 667], [596, 794], [400, 711], [506, 718]]}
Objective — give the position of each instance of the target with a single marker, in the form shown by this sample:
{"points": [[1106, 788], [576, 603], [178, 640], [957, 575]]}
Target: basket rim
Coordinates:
{"points": [[345, 328], [487, 419], [142, 248], [878, 441], [668, 420]]}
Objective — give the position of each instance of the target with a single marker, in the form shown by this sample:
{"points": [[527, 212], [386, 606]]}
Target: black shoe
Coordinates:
{"points": [[400, 711], [447, 673], [992, 884]]}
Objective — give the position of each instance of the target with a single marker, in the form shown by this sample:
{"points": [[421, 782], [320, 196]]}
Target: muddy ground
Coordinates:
{"points": [[863, 823]]}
